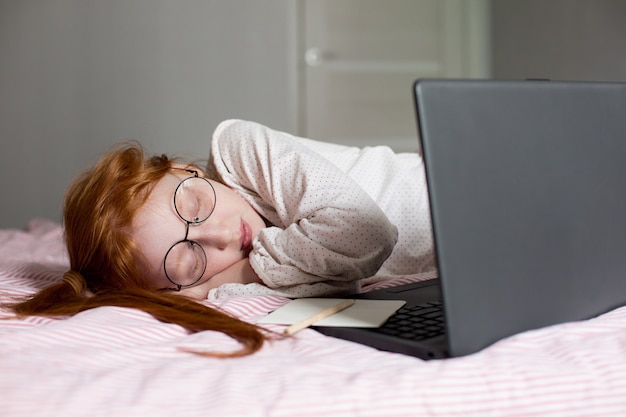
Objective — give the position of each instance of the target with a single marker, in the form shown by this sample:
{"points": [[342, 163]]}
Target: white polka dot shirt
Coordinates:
{"points": [[340, 216]]}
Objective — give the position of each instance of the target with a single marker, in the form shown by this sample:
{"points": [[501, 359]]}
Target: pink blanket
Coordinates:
{"points": [[121, 362]]}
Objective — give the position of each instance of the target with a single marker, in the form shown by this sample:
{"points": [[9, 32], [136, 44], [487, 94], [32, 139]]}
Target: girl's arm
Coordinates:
{"points": [[326, 229]]}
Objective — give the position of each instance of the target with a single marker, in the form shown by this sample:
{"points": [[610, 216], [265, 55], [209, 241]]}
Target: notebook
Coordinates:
{"points": [[527, 188]]}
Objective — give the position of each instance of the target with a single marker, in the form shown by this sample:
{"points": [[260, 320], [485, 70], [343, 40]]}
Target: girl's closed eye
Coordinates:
{"points": [[188, 205], [199, 210]]}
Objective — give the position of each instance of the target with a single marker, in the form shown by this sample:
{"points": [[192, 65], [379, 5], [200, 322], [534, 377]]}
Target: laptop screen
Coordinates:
{"points": [[527, 187]]}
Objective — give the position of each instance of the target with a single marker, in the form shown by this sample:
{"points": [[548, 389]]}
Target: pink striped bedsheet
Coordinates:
{"points": [[122, 362]]}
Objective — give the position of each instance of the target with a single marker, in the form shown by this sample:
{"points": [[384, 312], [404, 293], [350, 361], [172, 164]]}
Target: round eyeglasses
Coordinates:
{"points": [[194, 202]]}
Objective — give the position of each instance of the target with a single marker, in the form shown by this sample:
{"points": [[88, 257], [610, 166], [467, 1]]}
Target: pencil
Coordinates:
{"points": [[327, 312]]}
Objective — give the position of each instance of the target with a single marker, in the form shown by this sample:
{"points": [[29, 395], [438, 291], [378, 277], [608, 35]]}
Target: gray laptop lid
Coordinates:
{"points": [[527, 181]]}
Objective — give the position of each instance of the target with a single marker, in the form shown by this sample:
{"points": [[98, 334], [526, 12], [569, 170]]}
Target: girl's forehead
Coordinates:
{"points": [[160, 202], [168, 184]]}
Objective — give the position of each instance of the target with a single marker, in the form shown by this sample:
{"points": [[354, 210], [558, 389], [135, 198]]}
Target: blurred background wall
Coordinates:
{"points": [[77, 76]]}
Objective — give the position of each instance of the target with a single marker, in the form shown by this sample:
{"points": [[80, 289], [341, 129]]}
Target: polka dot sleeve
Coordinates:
{"points": [[326, 228]]}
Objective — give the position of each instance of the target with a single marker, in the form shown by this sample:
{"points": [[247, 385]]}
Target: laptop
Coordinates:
{"points": [[527, 188]]}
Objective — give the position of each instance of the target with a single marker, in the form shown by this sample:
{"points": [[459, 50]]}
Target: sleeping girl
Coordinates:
{"points": [[271, 213]]}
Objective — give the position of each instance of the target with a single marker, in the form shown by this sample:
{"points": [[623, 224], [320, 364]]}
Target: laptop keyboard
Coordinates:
{"points": [[418, 322]]}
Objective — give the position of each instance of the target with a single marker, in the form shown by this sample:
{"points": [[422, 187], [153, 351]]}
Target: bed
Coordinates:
{"points": [[121, 362]]}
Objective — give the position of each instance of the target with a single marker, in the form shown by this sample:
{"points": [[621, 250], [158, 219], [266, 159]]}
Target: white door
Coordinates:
{"points": [[360, 58]]}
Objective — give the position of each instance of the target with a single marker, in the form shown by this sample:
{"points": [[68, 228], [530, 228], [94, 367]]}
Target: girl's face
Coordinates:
{"points": [[226, 236]]}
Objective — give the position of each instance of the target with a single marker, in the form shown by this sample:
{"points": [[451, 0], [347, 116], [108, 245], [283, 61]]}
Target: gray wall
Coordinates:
{"points": [[77, 76], [559, 39]]}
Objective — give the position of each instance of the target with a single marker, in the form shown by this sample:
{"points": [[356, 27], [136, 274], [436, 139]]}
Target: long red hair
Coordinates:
{"points": [[98, 212]]}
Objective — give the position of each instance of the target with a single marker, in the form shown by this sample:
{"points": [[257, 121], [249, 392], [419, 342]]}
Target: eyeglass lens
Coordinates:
{"points": [[194, 199], [185, 263]]}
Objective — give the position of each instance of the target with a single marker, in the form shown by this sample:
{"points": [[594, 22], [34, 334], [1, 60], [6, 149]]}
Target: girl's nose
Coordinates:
{"points": [[212, 233]]}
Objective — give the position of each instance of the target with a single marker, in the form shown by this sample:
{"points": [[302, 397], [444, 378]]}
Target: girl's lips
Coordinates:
{"points": [[246, 236]]}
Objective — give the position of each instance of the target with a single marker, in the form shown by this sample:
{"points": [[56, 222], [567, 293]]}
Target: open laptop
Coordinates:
{"points": [[527, 186]]}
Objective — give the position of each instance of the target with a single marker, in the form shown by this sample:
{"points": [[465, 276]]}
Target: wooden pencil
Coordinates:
{"points": [[327, 312]]}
